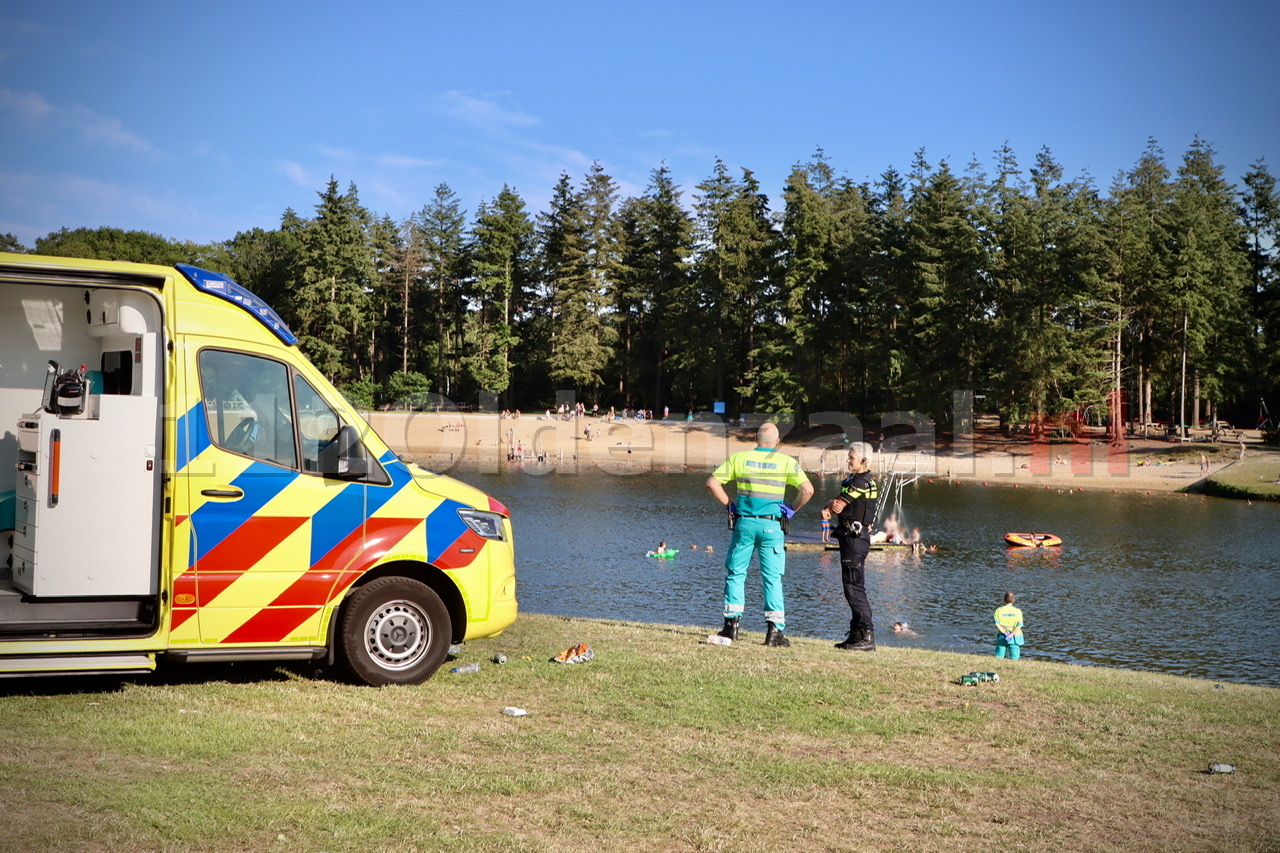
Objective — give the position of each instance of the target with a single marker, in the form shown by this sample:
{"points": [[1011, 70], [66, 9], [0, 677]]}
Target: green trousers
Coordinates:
{"points": [[752, 536], [1006, 649]]}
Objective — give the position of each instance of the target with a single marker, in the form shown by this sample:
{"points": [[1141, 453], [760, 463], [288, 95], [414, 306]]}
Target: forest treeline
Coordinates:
{"points": [[1042, 295]]}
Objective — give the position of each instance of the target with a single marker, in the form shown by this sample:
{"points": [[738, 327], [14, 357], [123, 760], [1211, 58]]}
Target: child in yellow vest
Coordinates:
{"points": [[1009, 625]]}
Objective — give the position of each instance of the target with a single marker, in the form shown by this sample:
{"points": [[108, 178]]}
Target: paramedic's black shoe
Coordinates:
{"points": [[730, 628], [774, 637], [862, 640]]}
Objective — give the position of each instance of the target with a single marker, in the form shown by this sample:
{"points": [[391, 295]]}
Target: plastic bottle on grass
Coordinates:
{"points": [[466, 667]]}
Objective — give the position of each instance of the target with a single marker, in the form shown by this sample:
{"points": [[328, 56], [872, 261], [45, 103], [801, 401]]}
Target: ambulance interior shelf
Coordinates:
{"points": [[76, 393]]}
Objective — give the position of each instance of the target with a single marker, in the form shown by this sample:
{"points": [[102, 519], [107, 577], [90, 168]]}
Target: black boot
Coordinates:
{"points": [[861, 640], [774, 637], [730, 628]]}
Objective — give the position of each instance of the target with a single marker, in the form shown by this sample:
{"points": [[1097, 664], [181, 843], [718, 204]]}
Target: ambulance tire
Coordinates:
{"points": [[393, 631]]}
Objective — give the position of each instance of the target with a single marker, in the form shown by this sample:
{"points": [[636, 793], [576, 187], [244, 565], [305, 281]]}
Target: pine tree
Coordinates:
{"points": [[328, 298], [577, 258], [501, 269], [949, 305], [440, 227], [848, 349], [697, 361], [891, 288], [393, 263], [1260, 214], [738, 270], [1043, 256], [1209, 281], [1138, 238], [657, 241], [803, 301]]}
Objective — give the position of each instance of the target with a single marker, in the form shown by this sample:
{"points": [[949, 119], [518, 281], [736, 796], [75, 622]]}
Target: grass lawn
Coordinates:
{"points": [[1256, 477], [659, 743]]}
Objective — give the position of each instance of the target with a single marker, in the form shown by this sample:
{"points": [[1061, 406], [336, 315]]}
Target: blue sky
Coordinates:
{"points": [[197, 121]]}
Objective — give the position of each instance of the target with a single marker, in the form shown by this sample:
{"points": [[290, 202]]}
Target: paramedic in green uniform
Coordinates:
{"points": [[1008, 621], [760, 477]]}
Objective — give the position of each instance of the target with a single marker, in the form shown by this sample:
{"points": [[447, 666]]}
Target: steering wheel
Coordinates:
{"points": [[240, 440]]}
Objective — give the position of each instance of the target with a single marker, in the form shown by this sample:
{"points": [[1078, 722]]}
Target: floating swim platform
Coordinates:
{"points": [[811, 545], [1032, 540], [890, 546], [803, 540]]}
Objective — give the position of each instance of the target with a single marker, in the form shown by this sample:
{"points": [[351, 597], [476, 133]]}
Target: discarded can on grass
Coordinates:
{"points": [[969, 680], [717, 640], [499, 658], [993, 676], [1222, 768], [466, 667]]}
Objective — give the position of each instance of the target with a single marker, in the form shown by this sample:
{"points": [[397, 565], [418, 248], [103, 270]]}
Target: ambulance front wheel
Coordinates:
{"points": [[394, 631]]}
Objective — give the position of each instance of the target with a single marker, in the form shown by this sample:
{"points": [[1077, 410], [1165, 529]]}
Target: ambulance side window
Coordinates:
{"points": [[318, 423], [247, 405]]}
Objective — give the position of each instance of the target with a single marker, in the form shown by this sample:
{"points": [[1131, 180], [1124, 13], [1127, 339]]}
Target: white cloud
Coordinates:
{"points": [[339, 154], [386, 161], [484, 111], [100, 129], [295, 173], [26, 105], [389, 193], [400, 161], [93, 128]]}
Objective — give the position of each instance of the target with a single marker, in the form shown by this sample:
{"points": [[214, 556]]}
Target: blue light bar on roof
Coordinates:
{"points": [[224, 287]]}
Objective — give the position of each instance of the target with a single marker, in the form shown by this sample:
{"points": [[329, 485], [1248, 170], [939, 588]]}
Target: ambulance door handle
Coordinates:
{"points": [[222, 493], [55, 466]]}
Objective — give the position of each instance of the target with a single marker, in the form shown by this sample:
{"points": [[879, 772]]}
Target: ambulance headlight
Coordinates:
{"points": [[486, 524]]}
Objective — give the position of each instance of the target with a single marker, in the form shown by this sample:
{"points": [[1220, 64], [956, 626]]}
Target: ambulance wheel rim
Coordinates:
{"points": [[397, 634], [393, 630]]}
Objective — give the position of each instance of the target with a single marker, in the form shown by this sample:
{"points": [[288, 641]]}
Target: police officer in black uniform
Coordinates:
{"points": [[855, 510]]}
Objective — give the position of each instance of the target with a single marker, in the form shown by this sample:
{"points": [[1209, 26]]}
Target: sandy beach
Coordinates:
{"points": [[548, 444]]}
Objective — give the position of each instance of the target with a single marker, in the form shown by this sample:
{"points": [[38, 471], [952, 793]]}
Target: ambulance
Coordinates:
{"points": [[179, 483]]}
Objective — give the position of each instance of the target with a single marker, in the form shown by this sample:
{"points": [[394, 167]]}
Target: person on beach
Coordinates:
{"points": [[855, 510], [760, 477], [1009, 629]]}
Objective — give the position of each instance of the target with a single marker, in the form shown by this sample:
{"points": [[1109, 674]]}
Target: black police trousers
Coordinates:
{"points": [[853, 554]]}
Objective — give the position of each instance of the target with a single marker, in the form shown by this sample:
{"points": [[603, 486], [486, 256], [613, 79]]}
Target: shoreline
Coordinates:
{"points": [[546, 445]]}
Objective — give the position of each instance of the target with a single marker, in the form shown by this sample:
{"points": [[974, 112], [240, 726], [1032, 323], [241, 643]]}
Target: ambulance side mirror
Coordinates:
{"points": [[344, 457]]}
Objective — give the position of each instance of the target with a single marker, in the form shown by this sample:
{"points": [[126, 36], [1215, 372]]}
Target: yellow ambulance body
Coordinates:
{"points": [[178, 482]]}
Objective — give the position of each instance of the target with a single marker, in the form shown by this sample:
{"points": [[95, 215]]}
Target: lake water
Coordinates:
{"points": [[1164, 582]]}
